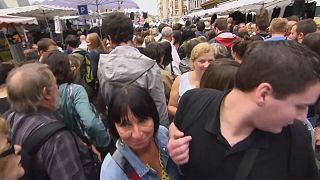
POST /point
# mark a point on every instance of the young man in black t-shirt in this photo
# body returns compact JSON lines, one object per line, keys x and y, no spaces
{"x":256,"y":130}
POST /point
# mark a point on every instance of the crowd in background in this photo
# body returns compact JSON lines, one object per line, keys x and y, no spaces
{"x":108,"y":87}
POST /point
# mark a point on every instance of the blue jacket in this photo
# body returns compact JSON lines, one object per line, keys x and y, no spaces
{"x":111,"y":170}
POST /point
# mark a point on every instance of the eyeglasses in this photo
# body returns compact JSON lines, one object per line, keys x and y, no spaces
{"x":7,"y":152}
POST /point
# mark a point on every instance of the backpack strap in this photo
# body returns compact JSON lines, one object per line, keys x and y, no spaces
{"x":14,"y":128}
{"x":123,"y":164}
{"x":82,"y":52}
{"x":172,"y":72}
{"x":81,"y":128}
{"x":246,"y":163}
{"x":34,"y":141}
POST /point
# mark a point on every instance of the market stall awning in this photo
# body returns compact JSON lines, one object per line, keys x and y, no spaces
{"x":94,"y":4}
{"x":242,"y":6}
{"x":38,"y":11}
{"x":17,"y":20}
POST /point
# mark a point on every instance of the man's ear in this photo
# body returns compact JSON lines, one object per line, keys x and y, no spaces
{"x":261,"y":92}
{"x":111,"y":42}
{"x":300,"y":36}
{"x":109,"y":38}
{"x":46,"y":92}
{"x":40,"y":52}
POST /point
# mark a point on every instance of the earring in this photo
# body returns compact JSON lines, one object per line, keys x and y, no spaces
{"x":121,"y":142}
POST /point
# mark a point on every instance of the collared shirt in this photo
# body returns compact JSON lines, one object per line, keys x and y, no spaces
{"x":288,"y":154}
{"x":276,"y":38}
{"x":111,"y":170}
{"x":57,"y":158}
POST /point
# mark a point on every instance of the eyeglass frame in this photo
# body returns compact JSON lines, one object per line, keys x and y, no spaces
{"x":10,"y":150}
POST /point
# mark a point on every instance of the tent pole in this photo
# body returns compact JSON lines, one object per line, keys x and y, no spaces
{"x":98,"y":14}
{"x":62,"y":39}
{"x":45,"y":17}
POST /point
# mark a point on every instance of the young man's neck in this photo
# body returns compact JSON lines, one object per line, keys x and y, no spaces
{"x":277,"y":34}
{"x":128,"y":43}
{"x":235,"y":115}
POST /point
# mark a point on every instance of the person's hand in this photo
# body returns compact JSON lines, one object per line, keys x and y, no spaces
{"x":178,"y":145}
{"x":317,"y":135}
{"x":13,"y":168}
{"x":96,"y":152}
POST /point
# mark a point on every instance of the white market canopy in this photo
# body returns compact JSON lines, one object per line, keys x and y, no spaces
{"x":16,"y":20}
{"x":242,"y":6}
{"x":39,"y":11}
{"x":94,"y":4}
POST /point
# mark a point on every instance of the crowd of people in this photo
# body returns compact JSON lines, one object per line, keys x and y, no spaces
{"x":226,"y":100}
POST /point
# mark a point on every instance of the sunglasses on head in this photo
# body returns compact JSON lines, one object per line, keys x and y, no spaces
{"x":8,"y":151}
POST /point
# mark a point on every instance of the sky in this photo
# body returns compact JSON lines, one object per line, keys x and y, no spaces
{"x":149,"y":6}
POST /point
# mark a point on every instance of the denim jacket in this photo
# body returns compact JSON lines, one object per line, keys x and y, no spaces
{"x":111,"y":170}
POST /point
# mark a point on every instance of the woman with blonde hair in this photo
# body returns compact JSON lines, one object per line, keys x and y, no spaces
{"x":202,"y":55}
{"x":149,"y":39}
{"x":10,"y":166}
{"x":95,"y":48}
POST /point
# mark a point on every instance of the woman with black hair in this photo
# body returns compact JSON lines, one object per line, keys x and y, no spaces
{"x":156,"y":52}
{"x":78,"y":114}
{"x":141,"y":146}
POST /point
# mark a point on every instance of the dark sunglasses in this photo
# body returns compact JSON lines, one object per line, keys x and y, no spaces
{"x":7,"y":152}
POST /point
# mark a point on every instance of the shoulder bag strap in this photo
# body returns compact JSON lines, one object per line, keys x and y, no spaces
{"x":84,"y":137}
{"x":246,"y":163}
{"x":123,"y":163}
{"x":172,"y":71}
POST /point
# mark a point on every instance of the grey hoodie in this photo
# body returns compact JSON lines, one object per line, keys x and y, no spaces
{"x":126,"y":65}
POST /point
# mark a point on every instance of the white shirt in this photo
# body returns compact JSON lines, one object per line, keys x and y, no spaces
{"x":174,"y":52}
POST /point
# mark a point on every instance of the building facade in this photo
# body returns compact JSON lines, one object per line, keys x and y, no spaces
{"x":163,"y":7}
{"x":170,"y":10}
{"x":195,"y":5}
{"x":176,"y":8}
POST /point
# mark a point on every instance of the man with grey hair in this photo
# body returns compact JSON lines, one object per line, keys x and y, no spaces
{"x":167,"y":35}
{"x":34,"y":97}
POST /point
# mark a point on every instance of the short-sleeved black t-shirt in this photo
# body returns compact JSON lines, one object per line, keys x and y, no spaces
{"x":284,"y":155}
